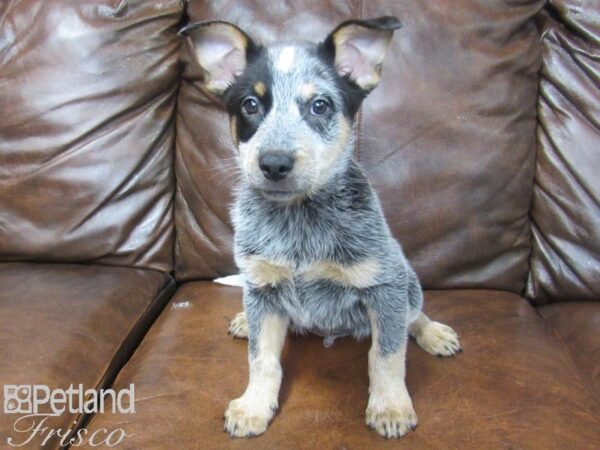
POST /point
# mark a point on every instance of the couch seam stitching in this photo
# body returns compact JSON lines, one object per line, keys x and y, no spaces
{"x":86,"y":418}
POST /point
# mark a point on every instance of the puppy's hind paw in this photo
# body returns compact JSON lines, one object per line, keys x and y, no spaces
{"x":238,"y":327}
{"x":392,"y":422}
{"x":438,"y":339}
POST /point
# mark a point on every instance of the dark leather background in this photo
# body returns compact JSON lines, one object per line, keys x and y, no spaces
{"x":88,"y":97}
{"x":63,"y":324}
{"x":87,"y":102}
{"x":107,"y":151}
{"x":447,"y":138}
{"x":565,"y":262}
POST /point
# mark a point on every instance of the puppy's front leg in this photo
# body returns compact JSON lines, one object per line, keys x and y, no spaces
{"x":390,"y":410}
{"x":250,"y":414}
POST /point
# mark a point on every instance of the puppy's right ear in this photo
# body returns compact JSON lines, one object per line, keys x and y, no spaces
{"x":221,"y":49}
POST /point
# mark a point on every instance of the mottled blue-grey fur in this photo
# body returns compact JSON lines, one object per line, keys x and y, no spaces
{"x":343,"y":222}
{"x":310,"y":233}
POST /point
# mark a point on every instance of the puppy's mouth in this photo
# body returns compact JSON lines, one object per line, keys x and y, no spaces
{"x":283,"y":191}
{"x":280,"y":195}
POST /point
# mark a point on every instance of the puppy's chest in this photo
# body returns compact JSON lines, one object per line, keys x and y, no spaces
{"x":263,"y":271}
{"x":325,"y":297}
{"x":305,"y":240}
{"x":339,"y":240}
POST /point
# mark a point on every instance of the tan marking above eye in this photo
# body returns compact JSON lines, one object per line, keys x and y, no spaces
{"x":260,"y":88}
{"x":359,"y":275}
{"x":307,"y":91}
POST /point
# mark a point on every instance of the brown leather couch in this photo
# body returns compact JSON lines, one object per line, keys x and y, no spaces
{"x":115,"y":179}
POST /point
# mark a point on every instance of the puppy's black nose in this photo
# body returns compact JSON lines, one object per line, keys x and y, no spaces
{"x":275,"y":166}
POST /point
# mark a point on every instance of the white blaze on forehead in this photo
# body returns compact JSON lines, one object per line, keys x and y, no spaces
{"x":285,"y":59}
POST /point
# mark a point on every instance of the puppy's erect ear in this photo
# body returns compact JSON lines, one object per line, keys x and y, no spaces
{"x":358,"y":48}
{"x":221,"y":49}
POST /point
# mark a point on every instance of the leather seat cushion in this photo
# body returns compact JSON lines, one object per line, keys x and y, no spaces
{"x":577,"y":324}
{"x":512,"y":387}
{"x":71,"y":324}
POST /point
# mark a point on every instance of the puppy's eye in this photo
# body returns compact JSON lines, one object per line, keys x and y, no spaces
{"x":319,"y":107}
{"x":250,"y":105}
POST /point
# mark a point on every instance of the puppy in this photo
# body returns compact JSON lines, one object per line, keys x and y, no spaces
{"x":310,"y":236}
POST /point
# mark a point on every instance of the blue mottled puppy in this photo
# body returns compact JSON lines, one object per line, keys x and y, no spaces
{"x":310,"y":235}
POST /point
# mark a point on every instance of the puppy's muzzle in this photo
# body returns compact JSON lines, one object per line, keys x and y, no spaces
{"x":275,"y":165}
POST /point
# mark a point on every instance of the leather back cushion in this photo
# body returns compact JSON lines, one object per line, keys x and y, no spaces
{"x":565,"y":262}
{"x":447,"y":138}
{"x":87,"y":94}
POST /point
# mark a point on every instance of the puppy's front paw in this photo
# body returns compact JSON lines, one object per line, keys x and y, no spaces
{"x":392,"y":422}
{"x":238,"y":327}
{"x":246,"y":417}
{"x":438,"y":339}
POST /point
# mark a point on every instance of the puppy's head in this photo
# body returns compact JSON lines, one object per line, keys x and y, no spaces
{"x":292,"y":105}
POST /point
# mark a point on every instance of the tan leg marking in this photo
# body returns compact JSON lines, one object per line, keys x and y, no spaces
{"x":390,"y":411}
{"x":238,"y":327}
{"x":434,"y":337}
{"x":249,"y":415}
{"x":360,"y":275}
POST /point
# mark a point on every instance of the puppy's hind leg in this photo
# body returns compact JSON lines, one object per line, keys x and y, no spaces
{"x":238,"y":327}
{"x":434,"y":337}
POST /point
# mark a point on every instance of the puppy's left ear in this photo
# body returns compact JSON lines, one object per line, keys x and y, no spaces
{"x":222,"y":50}
{"x":358,"y":48}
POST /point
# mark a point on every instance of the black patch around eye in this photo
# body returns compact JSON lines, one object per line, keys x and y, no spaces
{"x":257,"y":71}
{"x":352,"y":94}
{"x":321,"y":123}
